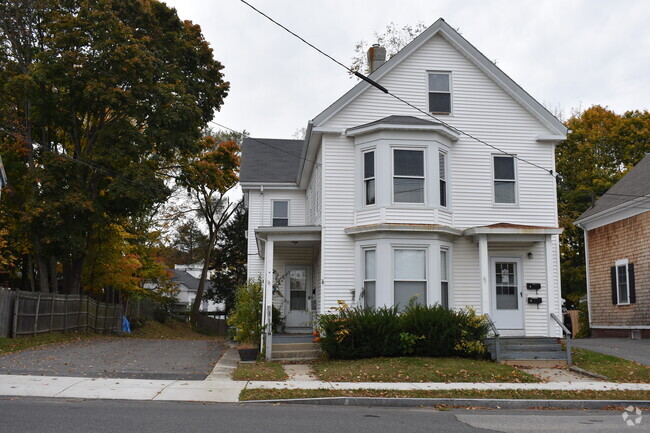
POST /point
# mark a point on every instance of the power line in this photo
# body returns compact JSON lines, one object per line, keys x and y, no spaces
{"x":384,"y":90}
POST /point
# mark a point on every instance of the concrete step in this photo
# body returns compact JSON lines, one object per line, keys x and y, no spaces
{"x":294,"y":355}
{"x":527,"y":348}
{"x":533,"y":355}
{"x":506,"y":341}
{"x":295,"y":346}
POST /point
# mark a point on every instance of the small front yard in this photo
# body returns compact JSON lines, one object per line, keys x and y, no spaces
{"x":260,"y":370}
{"x":419,"y":370}
{"x":616,"y":369}
{"x":276,"y":394}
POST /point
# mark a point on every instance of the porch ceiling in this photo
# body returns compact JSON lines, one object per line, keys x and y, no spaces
{"x":291,"y":236}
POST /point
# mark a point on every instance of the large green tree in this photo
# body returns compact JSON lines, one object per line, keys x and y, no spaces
{"x":601,"y":147}
{"x":230,"y":259}
{"x":97,"y":100}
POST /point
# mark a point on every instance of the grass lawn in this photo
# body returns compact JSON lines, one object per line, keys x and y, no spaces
{"x":170,"y":330}
{"x":273,"y":394}
{"x":616,"y":369}
{"x":259,"y":370}
{"x":8,"y":345}
{"x":418,"y":370}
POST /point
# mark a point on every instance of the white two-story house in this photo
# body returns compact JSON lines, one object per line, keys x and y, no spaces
{"x":381,"y":204}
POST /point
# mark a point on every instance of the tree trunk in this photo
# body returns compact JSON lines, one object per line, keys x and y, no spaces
{"x":194,"y":315}
{"x":43,"y":272}
{"x":30,"y":268}
{"x":54,"y":281}
{"x":72,"y":273}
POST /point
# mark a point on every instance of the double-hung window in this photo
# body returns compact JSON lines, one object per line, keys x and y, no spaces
{"x":369,"y":177}
{"x":444,"y":278}
{"x":505,"y":180}
{"x":439,"y":84}
{"x":410,"y":283}
{"x":280,"y":217}
{"x":442,"y":174}
{"x":623,"y":292}
{"x":408,"y":176}
{"x":369,"y":272}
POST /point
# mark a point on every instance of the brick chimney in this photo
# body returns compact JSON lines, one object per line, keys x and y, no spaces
{"x":376,"y":57}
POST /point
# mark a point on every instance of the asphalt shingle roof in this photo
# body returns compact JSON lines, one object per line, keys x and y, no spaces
{"x":270,"y":160}
{"x":398,"y":120}
{"x":182,"y":277}
{"x":634,"y":184}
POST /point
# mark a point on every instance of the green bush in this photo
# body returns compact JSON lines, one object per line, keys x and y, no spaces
{"x":354,"y":333}
{"x":247,"y":313}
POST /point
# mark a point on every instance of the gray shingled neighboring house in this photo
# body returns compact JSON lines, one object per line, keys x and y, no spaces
{"x":617,"y":249}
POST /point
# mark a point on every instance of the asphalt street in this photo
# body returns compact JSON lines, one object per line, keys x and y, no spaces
{"x":74,"y":416}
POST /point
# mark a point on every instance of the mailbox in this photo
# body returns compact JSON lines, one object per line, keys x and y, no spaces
{"x":533,"y":286}
{"x":535,"y":301}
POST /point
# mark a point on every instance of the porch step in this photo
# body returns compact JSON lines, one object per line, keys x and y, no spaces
{"x":294,"y":351}
{"x":528,"y":350}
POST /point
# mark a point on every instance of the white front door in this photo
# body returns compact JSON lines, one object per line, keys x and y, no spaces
{"x":297,"y":296}
{"x":507,"y":293}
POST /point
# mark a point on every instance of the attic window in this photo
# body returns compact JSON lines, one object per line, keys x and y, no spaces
{"x":439,"y":84}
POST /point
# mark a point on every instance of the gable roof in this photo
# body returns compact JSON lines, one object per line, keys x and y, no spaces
{"x":181,"y":276}
{"x":470,"y":52}
{"x":630,"y":188}
{"x":270,"y":160}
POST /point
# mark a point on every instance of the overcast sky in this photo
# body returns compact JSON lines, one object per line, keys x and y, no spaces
{"x":566,"y":54}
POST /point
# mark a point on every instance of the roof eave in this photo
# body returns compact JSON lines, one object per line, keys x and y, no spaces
{"x":440,"y":128}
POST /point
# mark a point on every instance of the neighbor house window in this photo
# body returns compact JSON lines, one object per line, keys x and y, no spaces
{"x":369,"y":177}
{"x":369,"y":272}
{"x":439,"y":92}
{"x":408,"y":176}
{"x":410,"y":284}
{"x":623,"y":292}
{"x":444,"y":278}
{"x":280,"y":213}
{"x":442,"y":170}
{"x":505,"y":183}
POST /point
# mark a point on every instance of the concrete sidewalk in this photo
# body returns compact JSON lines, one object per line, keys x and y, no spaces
{"x":218,"y":386}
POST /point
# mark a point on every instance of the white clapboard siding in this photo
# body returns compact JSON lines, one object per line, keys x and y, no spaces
{"x":410,"y":216}
{"x":483,"y":109}
{"x":338,"y":202}
{"x":314,"y":194}
{"x":316,"y":273}
{"x":255,"y":262}
{"x":466,"y":280}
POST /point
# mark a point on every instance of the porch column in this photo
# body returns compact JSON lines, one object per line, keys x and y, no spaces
{"x":484,"y":265}
{"x":550,"y":293}
{"x":267,"y":297}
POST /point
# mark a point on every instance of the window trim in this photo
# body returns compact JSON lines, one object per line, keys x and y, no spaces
{"x":450,"y":92}
{"x":273,"y":217}
{"x":366,"y":179}
{"x":445,"y":179}
{"x":365,"y":280}
{"x":422,"y":149}
{"x":445,"y":250}
{"x":618,"y":264}
{"x":515,"y":181}
{"x":422,"y":248}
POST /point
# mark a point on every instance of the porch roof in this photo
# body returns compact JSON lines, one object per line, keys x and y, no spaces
{"x":294,"y":234}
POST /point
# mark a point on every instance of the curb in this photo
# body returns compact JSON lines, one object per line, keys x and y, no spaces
{"x":463,"y":402}
{"x":588,"y":373}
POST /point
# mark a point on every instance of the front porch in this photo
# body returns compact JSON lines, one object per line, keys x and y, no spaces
{"x":291,"y":283}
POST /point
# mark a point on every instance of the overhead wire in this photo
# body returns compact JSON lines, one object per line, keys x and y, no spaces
{"x":398,"y":98}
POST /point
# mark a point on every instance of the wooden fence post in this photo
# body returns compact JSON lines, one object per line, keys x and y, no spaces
{"x":38,"y":305}
{"x":13,"y":331}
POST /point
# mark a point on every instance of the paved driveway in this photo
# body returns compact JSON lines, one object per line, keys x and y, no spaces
{"x":118,"y":358}
{"x":634,"y":350}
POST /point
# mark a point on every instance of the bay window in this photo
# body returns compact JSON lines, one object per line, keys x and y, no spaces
{"x":408,"y":176}
{"x":410,"y":279}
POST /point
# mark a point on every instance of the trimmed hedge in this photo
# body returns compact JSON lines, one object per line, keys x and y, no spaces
{"x":420,"y":330}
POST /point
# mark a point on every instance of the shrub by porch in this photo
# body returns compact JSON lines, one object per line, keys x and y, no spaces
{"x":432,"y":331}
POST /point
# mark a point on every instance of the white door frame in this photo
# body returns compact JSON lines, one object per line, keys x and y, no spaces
{"x":297,"y":318}
{"x":514,"y":317}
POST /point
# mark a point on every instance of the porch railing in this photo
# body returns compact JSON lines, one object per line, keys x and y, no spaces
{"x":568,"y":337}
{"x":497,"y":344}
